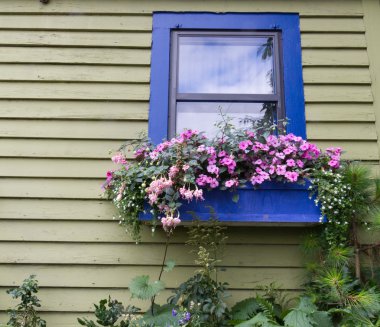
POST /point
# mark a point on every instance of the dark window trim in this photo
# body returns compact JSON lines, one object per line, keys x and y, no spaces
{"x":166,"y":22}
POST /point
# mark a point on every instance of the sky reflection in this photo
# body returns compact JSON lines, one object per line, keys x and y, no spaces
{"x":224,"y":65}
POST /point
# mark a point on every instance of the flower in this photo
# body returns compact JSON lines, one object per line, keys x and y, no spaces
{"x":291,"y":176}
{"x":243,"y":145}
{"x":231,"y":182}
{"x":290,"y":163}
{"x":119,"y":159}
{"x":173,"y":171}
{"x":169,"y":222}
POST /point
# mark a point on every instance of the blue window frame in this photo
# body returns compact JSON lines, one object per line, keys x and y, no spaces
{"x":164,"y":23}
{"x":280,"y":203}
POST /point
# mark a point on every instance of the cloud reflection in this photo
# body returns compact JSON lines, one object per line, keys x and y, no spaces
{"x":224,"y":65}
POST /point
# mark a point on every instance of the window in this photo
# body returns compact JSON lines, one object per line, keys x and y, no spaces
{"x":242,"y":64}
{"x":237,"y":73}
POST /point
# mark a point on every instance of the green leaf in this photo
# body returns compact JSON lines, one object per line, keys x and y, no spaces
{"x":162,"y":316}
{"x":235,"y":198}
{"x":169,"y":265}
{"x":245,"y":309}
{"x":260,"y":320}
{"x":142,"y":289}
{"x":322,"y":319}
{"x":296,"y":318}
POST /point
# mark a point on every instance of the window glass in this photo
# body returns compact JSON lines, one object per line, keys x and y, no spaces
{"x":222,"y":64}
{"x":203,"y":115}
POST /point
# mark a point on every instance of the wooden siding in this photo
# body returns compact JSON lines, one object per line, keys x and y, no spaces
{"x":74,"y":84}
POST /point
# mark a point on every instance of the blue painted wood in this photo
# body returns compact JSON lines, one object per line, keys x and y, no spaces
{"x":165,"y":22}
{"x":271,"y":203}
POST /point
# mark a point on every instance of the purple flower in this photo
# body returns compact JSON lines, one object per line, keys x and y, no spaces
{"x":291,"y":176}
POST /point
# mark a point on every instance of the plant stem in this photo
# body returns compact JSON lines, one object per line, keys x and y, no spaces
{"x":162,"y":269}
{"x":357,"y":250}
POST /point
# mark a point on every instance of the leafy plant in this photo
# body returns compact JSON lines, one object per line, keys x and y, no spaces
{"x":108,"y":312}
{"x":202,"y":295}
{"x":142,"y":289}
{"x":25,"y":314}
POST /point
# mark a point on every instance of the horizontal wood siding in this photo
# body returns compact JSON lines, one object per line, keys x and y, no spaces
{"x":74,"y":84}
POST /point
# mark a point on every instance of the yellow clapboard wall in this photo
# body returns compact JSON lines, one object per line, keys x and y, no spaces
{"x":74,"y":84}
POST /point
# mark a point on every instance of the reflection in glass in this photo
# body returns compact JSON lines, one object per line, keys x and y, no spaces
{"x":225,"y":64}
{"x":202,"y":115}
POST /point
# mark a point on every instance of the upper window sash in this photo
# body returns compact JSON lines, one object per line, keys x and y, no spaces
{"x":164,"y":23}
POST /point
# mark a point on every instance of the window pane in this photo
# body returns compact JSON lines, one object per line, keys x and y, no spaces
{"x":226,"y":64}
{"x":203,"y":115}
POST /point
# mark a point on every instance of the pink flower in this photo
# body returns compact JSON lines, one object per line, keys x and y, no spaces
{"x":258,"y":162}
{"x":212,"y":169}
{"x":250,"y":134}
{"x":231,"y":182}
{"x":185,"y":167}
{"x":214,"y":183}
{"x":198,"y":194}
{"x":304,"y":146}
{"x":201,"y":180}
{"x":281,"y":169}
{"x":153,"y":155}
{"x":119,"y":159}
{"x":300,"y":163}
{"x":273,"y":141}
{"x":173,"y":171}
{"x":291,"y":176}
{"x":257,"y":179}
{"x":169,"y":222}
{"x":290,"y":163}
{"x":222,"y":154}
{"x":243,"y":145}
{"x":280,"y":155}
{"x":290,"y":150}
{"x":334,"y":164}
{"x":152,"y":198}
{"x":201,"y":148}
{"x":272,"y":169}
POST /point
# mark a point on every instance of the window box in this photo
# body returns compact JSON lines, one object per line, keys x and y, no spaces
{"x":271,"y":203}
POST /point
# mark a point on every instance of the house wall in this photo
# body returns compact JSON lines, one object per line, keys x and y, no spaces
{"x":74,"y":84}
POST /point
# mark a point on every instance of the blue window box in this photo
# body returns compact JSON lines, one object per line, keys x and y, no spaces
{"x":271,"y":203}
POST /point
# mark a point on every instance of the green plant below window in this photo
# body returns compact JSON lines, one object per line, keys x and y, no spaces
{"x":25,"y":314}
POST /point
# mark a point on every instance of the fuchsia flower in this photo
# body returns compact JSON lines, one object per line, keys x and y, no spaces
{"x":173,"y":171}
{"x":119,"y":159}
{"x":169,"y":222}
{"x":198,"y":194}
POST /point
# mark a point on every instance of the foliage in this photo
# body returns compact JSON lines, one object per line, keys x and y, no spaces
{"x":202,"y":295}
{"x":108,"y":312}
{"x":25,"y":314}
{"x":264,"y":311}
{"x":142,"y":289}
{"x":162,"y":177}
